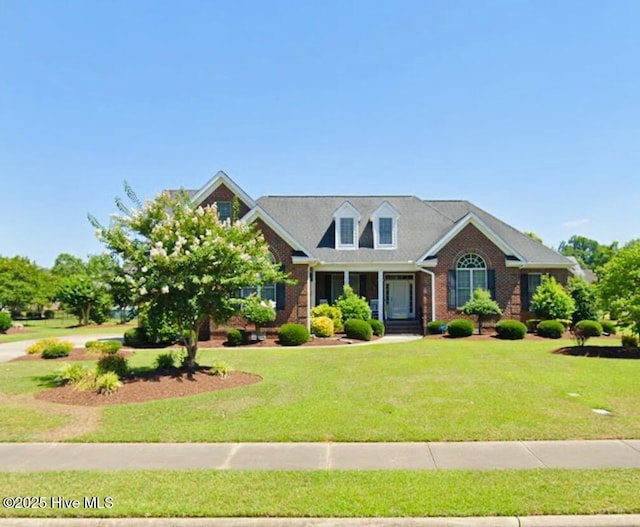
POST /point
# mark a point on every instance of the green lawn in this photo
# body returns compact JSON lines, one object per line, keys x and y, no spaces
{"x":333,"y":494}
{"x":60,"y":327}
{"x":429,"y":390}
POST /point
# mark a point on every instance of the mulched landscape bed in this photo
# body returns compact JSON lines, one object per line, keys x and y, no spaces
{"x":152,"y":385}
{"x":77,"y":354}
{"x":603,"y":352}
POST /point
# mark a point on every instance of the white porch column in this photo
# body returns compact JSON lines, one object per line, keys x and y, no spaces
{"x":381,"y":296}
{"x":346,"y":278}
{"x":311,"y":294}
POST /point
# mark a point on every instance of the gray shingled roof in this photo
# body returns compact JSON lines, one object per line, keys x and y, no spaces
{"x":309,"y":219}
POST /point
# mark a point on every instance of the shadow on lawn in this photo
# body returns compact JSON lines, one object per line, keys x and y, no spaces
{"x":603,"y":352}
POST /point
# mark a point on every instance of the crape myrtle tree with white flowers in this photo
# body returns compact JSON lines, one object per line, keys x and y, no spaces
{"x":185,"y":261}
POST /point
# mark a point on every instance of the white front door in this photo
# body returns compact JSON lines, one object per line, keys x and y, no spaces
{"x":399,"y":297}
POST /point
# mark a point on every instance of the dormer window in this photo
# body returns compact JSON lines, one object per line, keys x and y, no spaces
{"x":385,"y":226}
{"x":385,"y":231}
{"x":346,"y":232}
{"x":346,"y":218}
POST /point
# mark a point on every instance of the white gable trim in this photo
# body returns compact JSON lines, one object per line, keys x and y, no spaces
{"x":259,"y":212}
{"x":217,"y":180}
{"x":473,"y":219}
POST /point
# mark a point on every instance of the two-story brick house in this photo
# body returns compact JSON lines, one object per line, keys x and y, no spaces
{"x":414,"y":260}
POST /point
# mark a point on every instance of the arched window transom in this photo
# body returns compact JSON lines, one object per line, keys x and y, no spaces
{"x":471,"y":274}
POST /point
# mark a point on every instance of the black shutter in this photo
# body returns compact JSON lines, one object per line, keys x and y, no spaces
{"x":524,"y":291}
{"x":491,"y":282}
{"x":451,"y":288}
{"x":280,"y":292}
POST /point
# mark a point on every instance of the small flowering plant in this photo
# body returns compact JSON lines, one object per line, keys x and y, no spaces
{"x":181,"y":258}
{"x":258,"y":311}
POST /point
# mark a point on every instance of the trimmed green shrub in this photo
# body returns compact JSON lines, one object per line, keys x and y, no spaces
{"x":608,"y":327}
{"x":71,"y":374}
{"x":550,"y":329}
{"x":5,"y":321}
{"x":164,"y":361}
{"x":115,"y":363}
{"x":108,"y":347}
{"x":481,"y":306}
{"x":460,"y":327}
{"x":135,"y":338}
{"x":107,"y":383}
{"x":322,"y":327}
{"x":532,"y":324}
{"x":629,"y":341}
{"x":220,"y":369}
{"x":235,"y":337}
{"x":332,"y":312}
{"x":293,"y":334}
{"x":158,"y":328}
{"x":585,"y":329}
{"x":377,"y":327}
{"x":51,"y":348}
{"x":49,"y":314}
{"x":511,"y":329}
{"x":353,"y":306}
{"x":436,"y":327}
{"x":551,"y":301}
{"x":358,"y":329}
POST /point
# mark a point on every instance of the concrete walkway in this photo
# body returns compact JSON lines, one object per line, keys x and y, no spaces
{"x":30,"y":457}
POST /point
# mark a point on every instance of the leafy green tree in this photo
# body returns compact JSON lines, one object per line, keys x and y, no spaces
{"x":106,"y":269}
{"x":21,"y":283}
{"x":590,"y":253}
{"x":551,"y":301}
{"x":619,"y":286}
{"x":182,"y":259}
{"x":80,"y":295}
{"x":584,"y":297}
{"x":481,"y":306}
{"x":258,"y":311}
{"x":66,"y":265}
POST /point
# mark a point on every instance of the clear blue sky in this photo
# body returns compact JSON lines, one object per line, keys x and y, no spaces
{"x":530,"y":109}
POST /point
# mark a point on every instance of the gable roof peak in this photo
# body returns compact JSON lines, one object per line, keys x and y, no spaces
{"x":221,"y":178}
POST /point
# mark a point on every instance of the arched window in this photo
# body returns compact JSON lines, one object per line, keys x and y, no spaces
{"x":471,"y":274}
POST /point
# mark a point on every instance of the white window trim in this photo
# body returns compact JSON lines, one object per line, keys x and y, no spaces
{"x":346,"y":210}
{"x":385,"y":210}
{"x":472,"y":271}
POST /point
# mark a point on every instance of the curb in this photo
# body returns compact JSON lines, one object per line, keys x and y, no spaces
{"x":599,"y":520}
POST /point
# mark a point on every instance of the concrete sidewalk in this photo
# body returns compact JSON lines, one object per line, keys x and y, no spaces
{"x":31,"y":457}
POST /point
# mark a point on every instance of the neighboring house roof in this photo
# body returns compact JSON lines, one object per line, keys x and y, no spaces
{"x":577,"y":270}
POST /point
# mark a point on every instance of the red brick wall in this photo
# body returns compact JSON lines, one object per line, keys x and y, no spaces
{"x":223,"y":193}
{"x":296,"y":297}
{"x":471,"y":240}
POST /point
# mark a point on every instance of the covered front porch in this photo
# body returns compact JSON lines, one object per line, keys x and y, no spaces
{"x":392,"y":295}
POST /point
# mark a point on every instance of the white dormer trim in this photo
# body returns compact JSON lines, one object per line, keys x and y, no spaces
{"x":473,"y":219}
{"x":385,"y":210}
{"x":343,"y":212}
{"x":219,"y":179}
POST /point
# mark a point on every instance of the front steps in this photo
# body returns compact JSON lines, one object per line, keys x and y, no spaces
{"x":403,"y":327}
